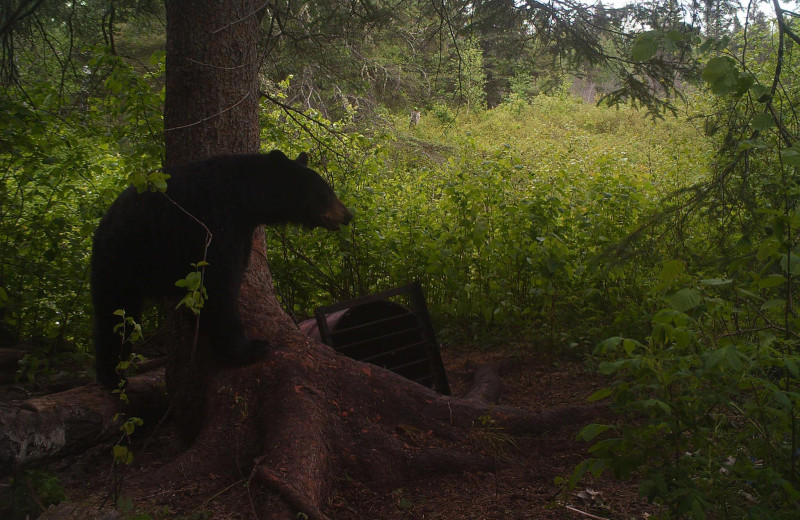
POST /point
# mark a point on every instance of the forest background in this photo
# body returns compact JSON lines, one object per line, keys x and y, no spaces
{"x":656,"y":237}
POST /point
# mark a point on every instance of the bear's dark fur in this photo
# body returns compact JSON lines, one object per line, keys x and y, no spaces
{"x":145,"y":243}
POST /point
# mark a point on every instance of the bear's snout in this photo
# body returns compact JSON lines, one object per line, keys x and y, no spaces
{"x":336,"y":216}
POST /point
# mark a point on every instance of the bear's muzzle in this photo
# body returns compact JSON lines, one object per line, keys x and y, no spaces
{"x":335,"y":217}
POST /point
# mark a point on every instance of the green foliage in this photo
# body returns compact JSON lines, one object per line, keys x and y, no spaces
{"x":127,"y":328}
{"x":122,"y":454}
{"x":130,"y":332}
{"x":489,"y":437}
{"x":708,"y":399}
{"x":507,"y":232}
{"x":707,"y":403}
{"x":196,"y":293}
{"x":723,"y":77}
{"x":29,"y":493}
{"x":65,"y":151}
{"x":49,"y":358}
{"x":648,"y":43}
{"x":470,"y":76}
{"x":535,"y":217}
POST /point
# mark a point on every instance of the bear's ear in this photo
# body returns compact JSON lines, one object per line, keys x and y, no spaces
{"x":302,"y":158}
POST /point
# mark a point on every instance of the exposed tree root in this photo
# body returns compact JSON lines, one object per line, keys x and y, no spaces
{"x":306,"y":417}
{"x":296,"y":423}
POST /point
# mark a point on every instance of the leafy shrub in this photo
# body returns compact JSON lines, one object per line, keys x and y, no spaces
{"x":507,"y":232}
{"x":708,"y":402}
{"x":30,"y":492}
{"x":63,"y":161}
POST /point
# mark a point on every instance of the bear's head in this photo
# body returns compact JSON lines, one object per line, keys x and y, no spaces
{"x":317,"y":204}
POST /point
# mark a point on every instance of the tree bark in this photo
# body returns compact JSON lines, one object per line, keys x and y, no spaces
{"x":42,"y":429}
{"x":45,"y":428}
{"x":306,"y":416}
{"x":211,"y":90}
{"x":211,"y":108}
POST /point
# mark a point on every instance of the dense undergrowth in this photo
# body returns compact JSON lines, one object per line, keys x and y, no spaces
{"x":60,"y":167}
{"x":511,"y":218}
{"x":548,"y":219}
{"x":707,"y":398}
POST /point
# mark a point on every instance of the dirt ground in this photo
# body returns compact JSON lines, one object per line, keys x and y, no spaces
{"x":526,"y":489}
{"x":523,"y":486}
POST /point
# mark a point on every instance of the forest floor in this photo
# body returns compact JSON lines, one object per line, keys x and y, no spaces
{"x":524,"y":487}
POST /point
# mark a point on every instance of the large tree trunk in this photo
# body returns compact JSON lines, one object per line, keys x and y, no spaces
{"x":305,"y":416}
{"x":211,"y":108}
{"x":212,"y":95}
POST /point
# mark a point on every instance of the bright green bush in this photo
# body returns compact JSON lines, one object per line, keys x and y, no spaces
{"x":707,"y":400}
{"x":707,"y":404}
{"x":509,"y":218}
{"x":59,"y":170}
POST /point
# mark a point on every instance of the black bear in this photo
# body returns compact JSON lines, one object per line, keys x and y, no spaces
{"x":148,"y":241}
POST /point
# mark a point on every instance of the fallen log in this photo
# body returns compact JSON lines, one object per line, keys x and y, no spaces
{"x":487,"y":382}
{"x":42,"y":429}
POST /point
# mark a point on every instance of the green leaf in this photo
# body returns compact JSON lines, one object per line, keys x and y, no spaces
{"x":716,"y":281}
{"x":600,"y":394}
{"x":782,"y":400}
{"x":128,"y":427}
{"x":698,"y":513}
{"x":761,"y":93}
{"x":685,"y":299}
{"x":750,"y":144}
{"x":591,"y":431}
{"x":675,"y":35}
{"x":791,"y":155}
{"x":608,"y":345}
{"x":706,"y":46}
{"x":762,"y":121}
{"x":792,"y":367}
{"x":671,"y":270}
{"x":671,"y":317}
{"x":768,"y":248}
{"x":771,"y":281}
{"x":578,"y":473}
{"x":716,"y":358}
{"x":743,"y":84}
{"x":775,"y":303}
{"x":122,"y":455}
{"x":790,"y":264}
{"x":629,"y":345}
{"x":659,"y":404}
{"x":721,"y":74}
{"x":597,"y":466}
{"x":646,"y":45}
